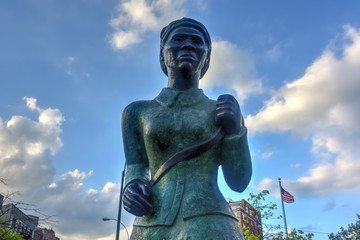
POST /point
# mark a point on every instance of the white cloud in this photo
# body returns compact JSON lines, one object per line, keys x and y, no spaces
{"x":231,"y":68}
{"x":296,"y":165}
{"x":267,"y":150}
{"x":324,"y":105}
{"x":318,"y":98}
{"x":31,"y":103}
{"x":23,"y":143}
{"x":276,"y":52}
{"x":136,"y":17}
{"x":27,"y":167}
{"x":122,"y":40}
{"x":85,"y":210}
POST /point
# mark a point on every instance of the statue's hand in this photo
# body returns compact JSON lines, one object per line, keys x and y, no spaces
{"x":137,"y":199}
{"x":228,"y":114}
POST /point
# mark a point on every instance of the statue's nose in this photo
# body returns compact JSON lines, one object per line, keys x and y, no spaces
{"x":188,"y":45}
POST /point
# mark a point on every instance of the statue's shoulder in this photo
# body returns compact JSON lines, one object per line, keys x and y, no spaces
{"x":210,"y":103}
{"x":138,"y":107}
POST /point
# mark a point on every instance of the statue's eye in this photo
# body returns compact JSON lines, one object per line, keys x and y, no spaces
{"x":197,"y":41}
{"x":177,"y":39}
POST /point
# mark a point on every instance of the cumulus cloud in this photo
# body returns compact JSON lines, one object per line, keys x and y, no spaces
{"x":26,"y":150}
{"x":231,"y":68}
{"x":136,"y":17}
{"x":73,"y":206}
{"x":23,"y":145}
{"x":324,"y":105}
{"x":319,"y":97}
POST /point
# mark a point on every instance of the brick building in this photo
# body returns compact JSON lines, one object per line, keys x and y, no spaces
{"x":44,"y":234}
{"x":248,"y":217}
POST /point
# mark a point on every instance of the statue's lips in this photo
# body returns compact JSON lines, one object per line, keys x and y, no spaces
{"x":187,"y":57}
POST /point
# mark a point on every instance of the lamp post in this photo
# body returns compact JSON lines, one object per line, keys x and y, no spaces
{"x":113,"y":219}
{"x":120,"y":204}
{"x":118,"y":220}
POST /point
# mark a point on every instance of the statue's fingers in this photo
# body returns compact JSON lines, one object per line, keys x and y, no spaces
{"x":133,"y":211}
{"x":146,"y":192}
{"x":226,"y":105}
{"x":225,"y":109}
{"x":225,"y":96}
{"x":134,"y":199}
{"x":143,"y":201}
{"x":132,"y":193}
{"x":225,"y":113}
{"x":135,"y":206}
{"x":227,"y":99}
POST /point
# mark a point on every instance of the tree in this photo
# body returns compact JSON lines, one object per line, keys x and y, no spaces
{"x":266,"y":210}
{"x":9,"y":234}
{"x":352,"y":233}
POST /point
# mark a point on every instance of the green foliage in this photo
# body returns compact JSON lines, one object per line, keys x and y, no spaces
{"x":294,"y":235}
{"x":352,"y":233}
{"x":248,"y":235}
{"x":9,"y":234}
{"x":258,"y":201}
{"x":267,"y":211}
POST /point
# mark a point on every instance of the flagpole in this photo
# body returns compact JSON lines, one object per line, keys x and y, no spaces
{"x":282,"y":202}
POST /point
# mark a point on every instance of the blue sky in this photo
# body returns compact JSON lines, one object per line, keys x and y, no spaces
{"x":69,"y":68}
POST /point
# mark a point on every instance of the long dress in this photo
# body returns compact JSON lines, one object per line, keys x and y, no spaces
{"x":187,"y":201}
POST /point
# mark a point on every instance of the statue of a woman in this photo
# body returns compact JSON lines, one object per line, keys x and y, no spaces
{"x":185,"y":201}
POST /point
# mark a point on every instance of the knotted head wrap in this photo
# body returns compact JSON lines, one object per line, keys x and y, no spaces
{"x":185,"y":22}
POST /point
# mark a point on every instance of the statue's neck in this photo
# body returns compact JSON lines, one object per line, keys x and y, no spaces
{"x":183,"y":80}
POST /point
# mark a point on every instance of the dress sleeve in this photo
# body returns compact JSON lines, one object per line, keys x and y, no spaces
{"x":135,"y":153}
{"x":236,"y":160}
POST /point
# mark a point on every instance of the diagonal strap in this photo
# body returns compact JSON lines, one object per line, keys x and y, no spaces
{"x":188,"y":153}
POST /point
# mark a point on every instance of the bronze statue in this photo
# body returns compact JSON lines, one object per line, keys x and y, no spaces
{"x":172,"y":191}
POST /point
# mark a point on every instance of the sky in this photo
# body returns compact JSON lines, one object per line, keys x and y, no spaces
{"x":69,"y":68}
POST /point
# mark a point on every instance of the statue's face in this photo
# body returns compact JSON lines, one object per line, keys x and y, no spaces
{"x":185,"y":49}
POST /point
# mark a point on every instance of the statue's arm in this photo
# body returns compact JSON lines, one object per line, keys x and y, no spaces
{"x":137,"y":191}
{"x":236,"y":160}
{"x":235,"y":155}
{"x":134,"y":148}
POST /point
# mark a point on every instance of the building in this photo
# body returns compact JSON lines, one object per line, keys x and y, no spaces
{"x":1,"y":200}
{"x":248,"y":217}
{"x":16,"y":220}
{"x":44,"y":234}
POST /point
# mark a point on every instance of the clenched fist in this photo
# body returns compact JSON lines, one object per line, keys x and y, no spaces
{"x":137,"y":199}
{"x":228,"y":114}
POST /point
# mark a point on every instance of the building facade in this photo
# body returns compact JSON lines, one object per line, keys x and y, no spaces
{"x":44,"y":234}
{"x":248,"y":217}
{"x":18,"y":221}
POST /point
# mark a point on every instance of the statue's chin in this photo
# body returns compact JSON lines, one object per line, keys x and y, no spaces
{"x":186,"y":67}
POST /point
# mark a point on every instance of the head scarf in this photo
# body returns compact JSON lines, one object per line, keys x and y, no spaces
{"x":185,"y":22}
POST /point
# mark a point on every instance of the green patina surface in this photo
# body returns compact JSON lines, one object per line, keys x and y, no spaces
{"x":187,"y":199}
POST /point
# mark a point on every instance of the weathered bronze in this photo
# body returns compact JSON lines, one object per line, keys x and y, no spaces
{"x":184,"y":201}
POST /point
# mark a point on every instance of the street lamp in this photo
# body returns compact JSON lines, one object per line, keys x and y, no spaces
{"x":118,"y":220}
{"x":113,"y":219}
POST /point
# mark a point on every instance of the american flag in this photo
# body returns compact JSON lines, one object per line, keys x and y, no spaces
{"x":286,"y":196}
